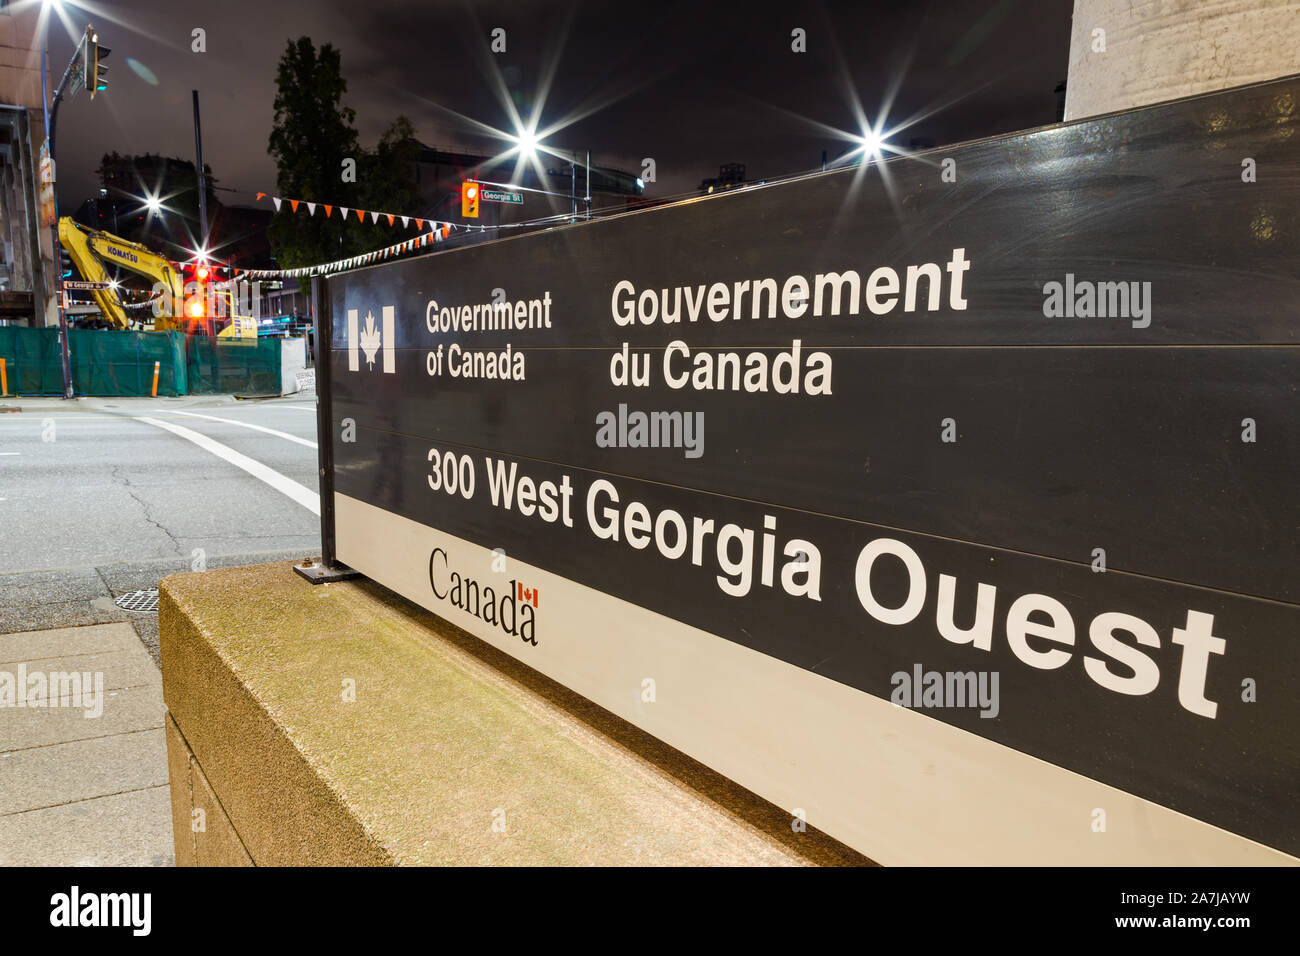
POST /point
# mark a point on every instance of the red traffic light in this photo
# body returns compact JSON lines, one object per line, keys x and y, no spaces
{"x":469,"y":200}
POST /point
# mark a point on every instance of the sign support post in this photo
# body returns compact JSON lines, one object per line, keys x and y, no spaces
{"x":328,"y":569}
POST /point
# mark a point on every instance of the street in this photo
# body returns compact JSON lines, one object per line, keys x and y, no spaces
{"x":100,"y":497}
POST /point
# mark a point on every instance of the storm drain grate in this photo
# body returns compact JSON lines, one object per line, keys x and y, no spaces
{"x":144,"y":600}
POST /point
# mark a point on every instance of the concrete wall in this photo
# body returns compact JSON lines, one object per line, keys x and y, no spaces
{"x":20,"y":86}
{"x":1157,"y":50}
{"x":20,"y":55}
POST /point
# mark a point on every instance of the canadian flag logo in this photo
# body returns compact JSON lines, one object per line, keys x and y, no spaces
{"x":528,"y":595}
{"x":371,"y":340}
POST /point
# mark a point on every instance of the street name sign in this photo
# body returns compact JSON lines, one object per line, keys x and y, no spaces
{"x":947,"y":504}
{"x":496,"y":195}
{"x":92,"y":286}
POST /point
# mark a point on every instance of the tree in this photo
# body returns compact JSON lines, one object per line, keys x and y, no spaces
{"x":386,"y":181}
{"x":311,"y":137}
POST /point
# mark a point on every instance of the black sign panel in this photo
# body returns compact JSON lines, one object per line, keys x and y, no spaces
{"x":1026,"y":405}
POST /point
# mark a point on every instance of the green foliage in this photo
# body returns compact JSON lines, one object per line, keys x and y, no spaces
{"x":312,"y":135}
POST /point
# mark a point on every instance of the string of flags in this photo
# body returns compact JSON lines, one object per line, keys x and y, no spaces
{"x":438,"y":231}
{"x":352,"y":262}
{"x":345,"y":211}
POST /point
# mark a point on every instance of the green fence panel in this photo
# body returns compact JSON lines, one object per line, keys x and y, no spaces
{"x":104,"y":363}
{"x":31,"y":360}
{"x":120,"y":364}
{"x":233,"y":368}
{"x":114,"y":363}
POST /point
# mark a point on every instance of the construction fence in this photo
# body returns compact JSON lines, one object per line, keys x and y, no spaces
{"x":123,"y":364}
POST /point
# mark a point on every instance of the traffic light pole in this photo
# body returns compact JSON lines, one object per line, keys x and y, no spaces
{"x":51,"y":127}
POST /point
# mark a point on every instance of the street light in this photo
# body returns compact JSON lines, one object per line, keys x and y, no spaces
{"x":871,"y":143}
{"x":528,"y":142}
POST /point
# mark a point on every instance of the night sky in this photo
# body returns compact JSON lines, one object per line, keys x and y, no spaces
{"x":693,"y":85}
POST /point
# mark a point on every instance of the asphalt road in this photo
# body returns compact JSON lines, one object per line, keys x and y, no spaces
{"x":99,"y":497}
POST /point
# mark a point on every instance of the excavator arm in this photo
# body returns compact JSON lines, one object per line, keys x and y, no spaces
{"x":91,"y":250}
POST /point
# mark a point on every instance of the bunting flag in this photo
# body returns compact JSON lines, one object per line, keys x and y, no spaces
{"x":437,"y":234}
{"x":392,"y":217}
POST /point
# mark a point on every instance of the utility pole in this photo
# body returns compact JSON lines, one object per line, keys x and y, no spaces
{"x":203,"y":182}
{"x":203,"y":205}
{"x":573,"y":187}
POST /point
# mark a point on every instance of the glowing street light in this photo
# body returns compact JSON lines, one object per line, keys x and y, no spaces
{"x":527,"y":142}
{"x":871,"y":144}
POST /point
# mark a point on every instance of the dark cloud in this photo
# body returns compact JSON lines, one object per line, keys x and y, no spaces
{"x":693,"y":85}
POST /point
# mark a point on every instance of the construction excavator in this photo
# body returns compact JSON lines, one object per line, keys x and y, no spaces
{"x":92,"y":251}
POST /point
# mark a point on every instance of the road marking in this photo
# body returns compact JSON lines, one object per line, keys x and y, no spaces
{"x":305,"y":408}
{"x":10,"y":453}
{"x":260,"y":428}
{"x":287,"y":486}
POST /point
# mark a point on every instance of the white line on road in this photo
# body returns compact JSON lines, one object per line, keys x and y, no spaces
{"x":10,"y":453}
{"x":305,"y":408}
{"x":260,"y":428}
{"x":299,"y":493}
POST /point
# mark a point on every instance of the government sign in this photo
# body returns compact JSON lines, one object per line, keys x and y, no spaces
{"x":947,"y":505}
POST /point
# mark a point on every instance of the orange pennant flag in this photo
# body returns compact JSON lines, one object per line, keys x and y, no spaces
{"x":361,"y":215}
{"x":446,"y":230}
{"x":419,"y":224}
{"x":328,"y":210}
{"x":259,"y":196}
{"x":390,"y":220}
{"x":294,"y":204}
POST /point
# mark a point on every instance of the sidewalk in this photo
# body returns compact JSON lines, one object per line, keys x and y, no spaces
{"x":110,"y":403}
{"x":83,"y":783}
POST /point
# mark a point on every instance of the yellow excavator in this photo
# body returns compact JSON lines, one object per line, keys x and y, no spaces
{"x":92,"y":250}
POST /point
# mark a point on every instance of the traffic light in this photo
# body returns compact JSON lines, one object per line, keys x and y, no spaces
{"x":196,"y":293}
{"x":469,"y":200}
{"x":65,"y":263}
{"x":96,"y":76}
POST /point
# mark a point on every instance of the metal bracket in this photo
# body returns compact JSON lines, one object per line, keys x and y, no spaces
{"x":317,"y":571}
